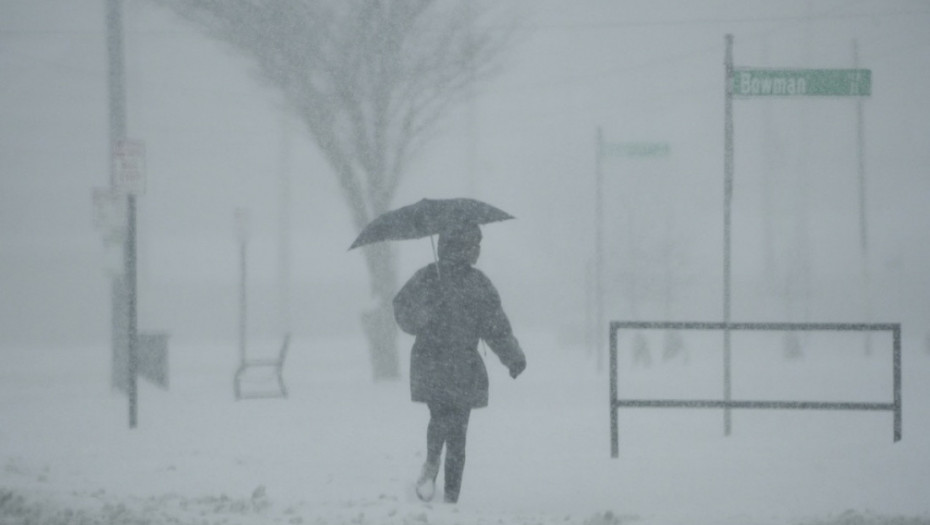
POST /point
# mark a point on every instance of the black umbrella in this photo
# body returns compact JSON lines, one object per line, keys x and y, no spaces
{"x":427,"y":217}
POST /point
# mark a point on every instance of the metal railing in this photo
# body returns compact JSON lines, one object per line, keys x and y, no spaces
{"x":727,"y":403}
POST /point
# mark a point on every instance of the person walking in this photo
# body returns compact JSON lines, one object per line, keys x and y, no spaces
{"x":449,"y":306}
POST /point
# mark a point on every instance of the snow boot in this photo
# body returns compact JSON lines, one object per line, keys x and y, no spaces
{"x":426,"y":483}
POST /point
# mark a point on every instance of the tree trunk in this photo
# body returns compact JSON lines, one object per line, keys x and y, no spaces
{"x":378,"y":323}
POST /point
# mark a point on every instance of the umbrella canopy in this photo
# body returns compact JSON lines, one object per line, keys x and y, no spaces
{"x":427,"y":217}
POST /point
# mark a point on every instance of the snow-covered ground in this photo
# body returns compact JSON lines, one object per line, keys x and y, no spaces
{"x":344,"y":450}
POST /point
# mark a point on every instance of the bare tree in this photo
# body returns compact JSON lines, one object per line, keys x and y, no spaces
{"x":370,"y":79}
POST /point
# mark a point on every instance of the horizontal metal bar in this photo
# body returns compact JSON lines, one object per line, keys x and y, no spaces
{"x":713,"y":403}
{"x":689,"y":325}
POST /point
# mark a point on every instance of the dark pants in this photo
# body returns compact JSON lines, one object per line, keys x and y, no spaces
{"x":448,"y":425}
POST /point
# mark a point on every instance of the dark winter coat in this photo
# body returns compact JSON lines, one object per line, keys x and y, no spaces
{"x":449,"y":311}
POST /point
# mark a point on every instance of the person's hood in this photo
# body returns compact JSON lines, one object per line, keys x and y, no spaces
{"x":455,"y":243}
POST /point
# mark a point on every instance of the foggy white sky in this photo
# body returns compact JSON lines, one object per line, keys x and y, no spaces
{"x":217,"y":139}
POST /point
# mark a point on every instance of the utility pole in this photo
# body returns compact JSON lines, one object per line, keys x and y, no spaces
{"x":123,"y":287}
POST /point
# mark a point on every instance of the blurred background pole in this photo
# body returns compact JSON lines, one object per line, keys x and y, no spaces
{"x":727,"y":201}
{"x":599,"y":251}
{"x":242,"y":232}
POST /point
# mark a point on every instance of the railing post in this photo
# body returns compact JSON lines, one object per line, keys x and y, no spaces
{"x":614,"y":431}
{"x":897,"y":381}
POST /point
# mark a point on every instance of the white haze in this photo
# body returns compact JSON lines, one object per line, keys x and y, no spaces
{"x":643,"y":71}
{"x":217,"y":138}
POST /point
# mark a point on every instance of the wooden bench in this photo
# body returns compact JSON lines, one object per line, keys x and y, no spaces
{"x":274,"y":365}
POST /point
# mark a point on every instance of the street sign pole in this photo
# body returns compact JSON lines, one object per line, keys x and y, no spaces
{"x":863,"y":221}
{"x":129,"y":171}
{"x":727,"y":203}
{"x":125,"y":284}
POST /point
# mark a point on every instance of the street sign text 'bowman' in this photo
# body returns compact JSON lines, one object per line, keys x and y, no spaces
{"x":802,"y":82}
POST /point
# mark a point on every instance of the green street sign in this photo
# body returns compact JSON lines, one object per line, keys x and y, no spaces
{"x":637,"y":149}
{"x":802,"y":82}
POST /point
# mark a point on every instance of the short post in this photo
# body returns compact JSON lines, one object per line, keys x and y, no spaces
{"x":896,"y":342}
{"x":614,"y":431}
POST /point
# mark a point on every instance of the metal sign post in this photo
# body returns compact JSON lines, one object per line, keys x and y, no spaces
{"x":727,"y":205}
{"x":129,"y":180}
{"x":131,"y":282}
{"x":126,"y":170}
{"x":863,"y":222}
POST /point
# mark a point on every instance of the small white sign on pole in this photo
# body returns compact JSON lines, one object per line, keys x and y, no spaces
{"x":129,"y":166}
